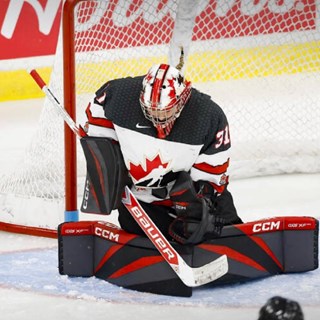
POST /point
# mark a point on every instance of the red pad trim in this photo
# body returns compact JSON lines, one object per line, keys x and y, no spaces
{"x":265,"y":247}
{"x":101,"y":229}
{"x":232,"y":254}
{"x":113,"y":233}
{"x":77,"y":228}
{"x":100,"y":174}
{"x":277,"y":224}
{"x":107,"y":256}
{"x":136,"y":265}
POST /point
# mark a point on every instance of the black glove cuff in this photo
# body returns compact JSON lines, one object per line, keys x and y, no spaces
{"x":186,"y":230}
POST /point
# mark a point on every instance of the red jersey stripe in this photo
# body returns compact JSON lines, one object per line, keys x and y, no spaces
{"x":219,"y":169}
{"x":218,"y":188}
{"x":102,"y":122}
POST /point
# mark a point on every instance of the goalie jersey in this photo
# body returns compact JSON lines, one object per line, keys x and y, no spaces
{"x":199,"y":142}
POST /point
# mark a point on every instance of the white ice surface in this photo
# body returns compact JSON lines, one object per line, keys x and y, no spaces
{"x":255,"y":198}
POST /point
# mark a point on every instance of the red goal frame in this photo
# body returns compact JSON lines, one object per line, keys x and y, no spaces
{"x":70,"y":148}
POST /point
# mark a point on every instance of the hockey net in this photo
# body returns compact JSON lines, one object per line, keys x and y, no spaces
{"x":259,"y":60}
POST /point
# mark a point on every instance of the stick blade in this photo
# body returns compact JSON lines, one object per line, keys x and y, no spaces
{"x":211,"y":271}
{"x":198,"y":276}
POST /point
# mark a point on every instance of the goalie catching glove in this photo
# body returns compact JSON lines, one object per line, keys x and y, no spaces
{"x":196,"y":219}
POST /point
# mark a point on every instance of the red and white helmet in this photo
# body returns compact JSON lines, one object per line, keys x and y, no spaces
{"x":164,"y":94}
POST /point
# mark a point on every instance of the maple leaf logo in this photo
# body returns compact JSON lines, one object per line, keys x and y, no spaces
{"x":172,"y":92}
{"x":139,"y":172}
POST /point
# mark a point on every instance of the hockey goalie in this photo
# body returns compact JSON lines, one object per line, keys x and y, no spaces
{"x":170,"y":145}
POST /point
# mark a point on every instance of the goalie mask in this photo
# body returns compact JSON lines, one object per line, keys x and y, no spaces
{"x":164,"y":94}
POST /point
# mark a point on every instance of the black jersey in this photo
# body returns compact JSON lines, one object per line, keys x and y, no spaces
{"x":198,"y":143}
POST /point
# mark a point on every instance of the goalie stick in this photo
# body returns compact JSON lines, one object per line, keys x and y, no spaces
{"x":191,"y":277}
{"x":63,"y":113}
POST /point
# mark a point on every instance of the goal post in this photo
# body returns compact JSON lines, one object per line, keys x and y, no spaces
{"x":259,"y":60}
{"x":69,"y":89}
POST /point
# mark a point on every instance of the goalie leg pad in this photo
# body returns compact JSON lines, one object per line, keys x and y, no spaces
{"x":91,"y":248}
{"x":254,"y":250}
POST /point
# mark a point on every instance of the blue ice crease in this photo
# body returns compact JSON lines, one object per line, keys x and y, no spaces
{"x":37,"y":271}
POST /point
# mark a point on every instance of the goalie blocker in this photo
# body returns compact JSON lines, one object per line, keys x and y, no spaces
{"x":106,"y":175}
{"x":255,"y":250}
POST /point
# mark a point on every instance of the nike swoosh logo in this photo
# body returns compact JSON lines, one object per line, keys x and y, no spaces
{"x":142,"y":127}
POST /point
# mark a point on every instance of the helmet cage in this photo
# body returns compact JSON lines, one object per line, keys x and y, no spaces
{"x":166,"y":97}
{"x":163,"y":116}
